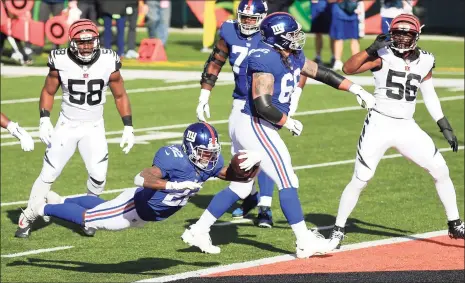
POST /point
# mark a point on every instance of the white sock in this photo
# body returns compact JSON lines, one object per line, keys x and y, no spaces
{"x":39,"y":191}
{"x":348,"y":200}
{"x":446,"y":192}
{"x":300,"y":231}
{"x":265,"y":201}
{"x":204,"y":223}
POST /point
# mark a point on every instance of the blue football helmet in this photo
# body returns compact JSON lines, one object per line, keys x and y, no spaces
{"x":201,"y":144}
{"x":281,"y":30}
{"x":250,"y":13}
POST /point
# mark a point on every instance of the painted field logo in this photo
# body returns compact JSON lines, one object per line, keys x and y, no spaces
{"x":277,"y":29}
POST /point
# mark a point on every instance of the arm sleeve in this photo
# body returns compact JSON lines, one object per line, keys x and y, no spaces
{"x":431,"y":99}
{"x":164,"y":161}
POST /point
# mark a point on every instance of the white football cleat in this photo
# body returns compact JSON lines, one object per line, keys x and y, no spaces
{"x":314,"y":244}
{"x":200,"y":240}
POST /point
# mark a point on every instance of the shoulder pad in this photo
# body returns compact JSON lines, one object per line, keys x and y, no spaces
{"x":113,"y":58}
{"x":429,"y":57}
{"x":55,"y":56}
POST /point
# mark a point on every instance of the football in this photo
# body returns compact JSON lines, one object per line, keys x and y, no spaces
{"x":240,"y":174}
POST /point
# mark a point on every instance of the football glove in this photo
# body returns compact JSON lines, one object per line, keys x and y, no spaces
{"x":27,"y":143}
{"x":380,"y":42}
{"x":203,"y":105}
{"x":251,"y":159}
{"x":186,"y":185}
{"x":45,"y":130}
{"x":364,"y":98}
{"x":294,"y":101}
{"x":294,"y":126}
{"x":448,"y":133}
{"x":128,"y":137}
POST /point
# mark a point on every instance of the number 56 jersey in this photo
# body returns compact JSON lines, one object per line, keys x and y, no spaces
{"x":397,"y":82}
{"x":84,"y":85}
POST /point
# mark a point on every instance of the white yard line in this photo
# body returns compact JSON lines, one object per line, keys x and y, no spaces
{"x":288,"y":257}
{"x":33,"y":130}
{"x":296,"y":168}
{"x":33,"y":252}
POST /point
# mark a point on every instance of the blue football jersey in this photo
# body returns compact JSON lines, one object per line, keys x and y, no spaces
{"x":157,"y":205}
{"x":238,"y":46}
{"x":265,"y":59}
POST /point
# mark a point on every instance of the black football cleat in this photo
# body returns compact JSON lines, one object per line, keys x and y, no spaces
{"x":24,"y":224}
{"x":89,"y":232}
{"x":456,"y":229}
{"x":265,"y":217}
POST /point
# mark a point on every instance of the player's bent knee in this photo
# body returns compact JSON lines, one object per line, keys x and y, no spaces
{"x":364,"y":174}
{"x":294,"y":180}
{"x":241,"y":189}
{"x":358,"y":183}
{"x":439,"y":169}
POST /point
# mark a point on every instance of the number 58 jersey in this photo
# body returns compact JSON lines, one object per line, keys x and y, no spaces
{"x":84,"y":85}
{"x":397,"y":82}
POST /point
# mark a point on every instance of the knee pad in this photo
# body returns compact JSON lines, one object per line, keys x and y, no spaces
{"x":357,"y":183}
{"x":94,"y":186}
{"x":48,"y":175}
{"x":363,"y":174}
{"x":243,"y":190}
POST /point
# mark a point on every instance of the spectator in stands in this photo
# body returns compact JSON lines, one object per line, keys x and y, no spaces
{"x":344,"y":26}
{"x":279,"y":6}
{"x":391,"y":9}
{"x":114,"y":10}
{"x":132,"y":11}
{"x":159,"y":19}
{"x":47,"y":7}
{"x":88,"y":8}
{"x":321,"y":21}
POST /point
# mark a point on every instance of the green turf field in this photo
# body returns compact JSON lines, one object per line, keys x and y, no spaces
{"x":401,"y":199}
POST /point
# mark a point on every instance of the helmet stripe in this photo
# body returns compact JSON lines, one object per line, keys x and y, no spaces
{"x":212,"y":133}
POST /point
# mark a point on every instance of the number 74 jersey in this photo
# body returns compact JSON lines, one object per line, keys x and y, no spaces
{"x":397,"y":82}
{"x":84,"y":85}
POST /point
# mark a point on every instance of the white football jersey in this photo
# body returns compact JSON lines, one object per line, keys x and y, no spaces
{"x":397,"y":82}
{"x":84,"y":86}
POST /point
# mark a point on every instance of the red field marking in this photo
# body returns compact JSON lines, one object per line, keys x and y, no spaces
{"x":438,"y":253}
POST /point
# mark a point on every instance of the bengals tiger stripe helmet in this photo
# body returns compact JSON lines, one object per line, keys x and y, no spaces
{"x":405,"y":31}
{"x":84,"y":40}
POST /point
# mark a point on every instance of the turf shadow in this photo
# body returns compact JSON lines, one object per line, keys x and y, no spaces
{"x":141,"y":266}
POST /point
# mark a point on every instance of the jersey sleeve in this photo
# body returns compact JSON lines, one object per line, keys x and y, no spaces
{"x":165,"y":161}
{"x":225,"y":31}
{"x":257,"y":63}
{"x":51,"y":61}
{"x":118,"y":64}
{"x":219,"y":166}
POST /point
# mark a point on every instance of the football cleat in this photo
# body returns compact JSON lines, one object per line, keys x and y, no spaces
{"x":200,"y":240}
{"x":456,"y":229}
{"x":27,"y":217}
{"x":88,"y":231}
{"x":248,"y":204}
{"x":265,"y":217}
{"x":315,"y":243}
{"x":337,"y":235}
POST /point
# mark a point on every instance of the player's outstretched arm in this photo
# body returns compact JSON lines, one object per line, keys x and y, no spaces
{"x":331,"y":78}
{"x":123,"y":105}
{"x":212,"y":69}
{"x":262,"y":90}
{"x":51,"y":85}
{"x":434,"y":108}
{"x":151,"y":178}
{"x":27,"y":143}
{"x":367,"y":59}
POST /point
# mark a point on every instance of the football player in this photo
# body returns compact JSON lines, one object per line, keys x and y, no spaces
{"x":237,"y":38}
{"x":274,"y":70}
{"x":400,"y":68}
{"x":176,"y":175}
{"x":84,"y":71}
{"x":27,"y":143}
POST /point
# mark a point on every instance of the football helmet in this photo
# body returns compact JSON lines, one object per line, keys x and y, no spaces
{"x":281,"y":30}
{"x":201,"y":144}
{"x":250,"y":13}
{"x":84,"y":40}
{"x":404,"y":31}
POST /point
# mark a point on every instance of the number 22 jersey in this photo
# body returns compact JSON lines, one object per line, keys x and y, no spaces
{"x":84,"y":85}
{"x":397,"y":82}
